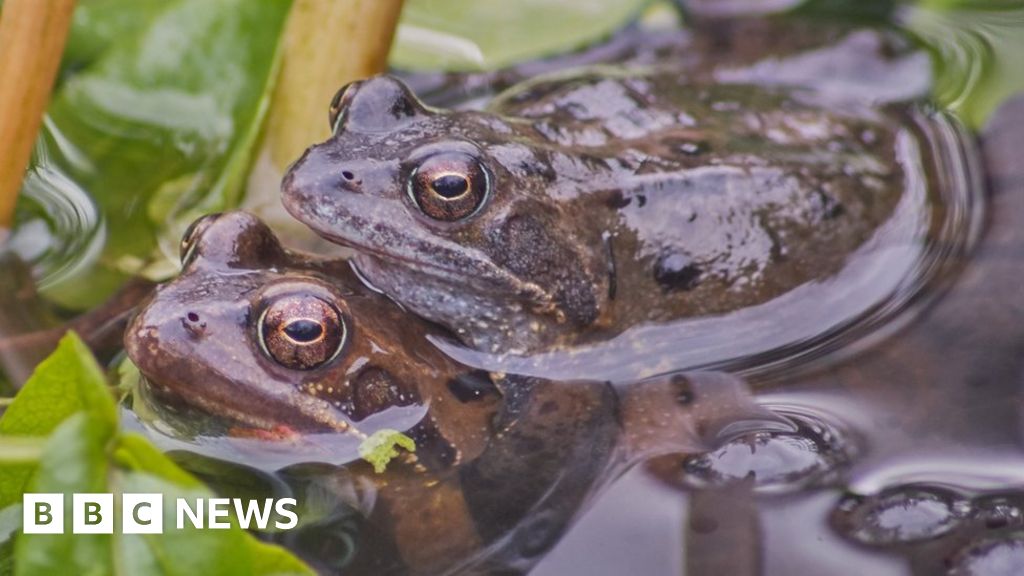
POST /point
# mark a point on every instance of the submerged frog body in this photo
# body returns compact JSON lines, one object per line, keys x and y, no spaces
{"x":272,"y":340}
{"x":583,"y":204}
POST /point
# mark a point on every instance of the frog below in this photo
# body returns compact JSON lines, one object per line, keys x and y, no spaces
{"x":270,"y":339}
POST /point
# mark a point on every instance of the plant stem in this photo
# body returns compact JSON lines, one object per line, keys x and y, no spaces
{"x":32,"y":37}
{"x":328,"y":44}
{"x":17,"y":450}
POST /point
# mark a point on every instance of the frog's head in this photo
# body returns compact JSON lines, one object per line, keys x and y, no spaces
{"x":266,"y":339}
{"x":441,"y":202}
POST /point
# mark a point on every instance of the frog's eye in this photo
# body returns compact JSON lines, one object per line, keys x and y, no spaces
{"x":339,"y":103}
{"x":450,"y":186}
{"x":301,"y":332}
{"x":190,"y":239}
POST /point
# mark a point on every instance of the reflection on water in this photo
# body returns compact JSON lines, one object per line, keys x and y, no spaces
{"x":63,"y":234}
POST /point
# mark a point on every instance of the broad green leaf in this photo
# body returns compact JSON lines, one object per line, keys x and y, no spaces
{"x":74,"y":461}
{"x":99,"y":24}
{"x":157,"y":130}
{"x":460,"y":35}
{"x":67,"y":382}
{"x":86,"y":454}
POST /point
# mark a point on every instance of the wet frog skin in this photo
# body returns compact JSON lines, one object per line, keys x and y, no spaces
{"x":284,"y":344}
{"x":582,"y":204}
{"x":503,"y":464}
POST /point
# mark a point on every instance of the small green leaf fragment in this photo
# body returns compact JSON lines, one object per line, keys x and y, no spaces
{"x":381,"y":447}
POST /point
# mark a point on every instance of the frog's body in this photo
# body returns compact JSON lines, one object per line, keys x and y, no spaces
{"x":502,"y":464}
{"x":598,"y":200}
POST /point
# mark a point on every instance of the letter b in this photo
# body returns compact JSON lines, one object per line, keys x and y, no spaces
{"x":92,"y":514}
{"x":43,"y":513}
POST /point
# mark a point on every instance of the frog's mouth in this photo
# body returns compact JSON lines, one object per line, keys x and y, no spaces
{"x":201,"y":414}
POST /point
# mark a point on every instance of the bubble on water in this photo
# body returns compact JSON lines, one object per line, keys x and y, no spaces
{"x":776,"y":460}
{"x":997,"y":512}
{"x":900,"y":515}
{"x":997,"y":556}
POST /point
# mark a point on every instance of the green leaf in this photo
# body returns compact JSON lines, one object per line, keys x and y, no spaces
{"x":86,"y":454}
{"x":158,"y":129}
{"x":460,"y":35}
{"x":74,"y":461}
{"x":977,"y":47}
{"x":380,"y":448}
{"x":99,"y":24}
{"x":67,"y":382}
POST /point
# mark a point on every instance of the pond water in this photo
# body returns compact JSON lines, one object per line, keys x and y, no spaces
{"x":898,"y":379}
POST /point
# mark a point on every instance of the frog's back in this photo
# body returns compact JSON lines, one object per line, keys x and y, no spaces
{"x":716,"y":196}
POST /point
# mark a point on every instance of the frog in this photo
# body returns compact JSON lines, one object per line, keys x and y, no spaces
{"x":581,"y":204}
{"x":270,"y":339}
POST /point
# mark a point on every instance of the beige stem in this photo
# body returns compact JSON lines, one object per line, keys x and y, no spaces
{"x":32,"y":37}
{"x":329,"y":43}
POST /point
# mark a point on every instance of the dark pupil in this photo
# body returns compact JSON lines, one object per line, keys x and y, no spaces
{"x":304,"y":330}
{"x":450,"y":186}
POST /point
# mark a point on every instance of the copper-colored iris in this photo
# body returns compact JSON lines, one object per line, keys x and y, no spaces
{"x":450,"y":186}
{"x":301,"y":332}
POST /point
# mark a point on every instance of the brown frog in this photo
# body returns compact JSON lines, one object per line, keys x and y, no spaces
{"x":274,"y":340}
{"x":581,"y":204}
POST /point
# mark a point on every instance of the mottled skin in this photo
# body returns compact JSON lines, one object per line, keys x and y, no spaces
{"x":610,"y":198}
{"x":502,"y":466}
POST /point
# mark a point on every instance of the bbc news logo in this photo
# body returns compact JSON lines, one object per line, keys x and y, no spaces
{"x":144,"y":513}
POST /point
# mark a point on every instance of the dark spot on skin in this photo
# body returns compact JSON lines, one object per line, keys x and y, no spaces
{"x":676,"y":272}
{"x":641,"y":200}
{"x":471,"y":386}
{"x":683,"y":390}
{"x":375,"y":390}
{"x":529,"y":246}
{"x":548,"y":407}
{"x":402,"y":108}
{"x":433,"y":450}
{"x":617,"y":200}
{"x":830,"y":207}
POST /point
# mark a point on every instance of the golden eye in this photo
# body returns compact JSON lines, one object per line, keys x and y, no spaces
{"x":189,"y":240}
{"x":449,"y":186}
{"x":301,"y":332}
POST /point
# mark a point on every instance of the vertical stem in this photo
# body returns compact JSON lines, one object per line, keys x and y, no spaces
{"x":329,"y":43}
{"x":32,"y":37}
